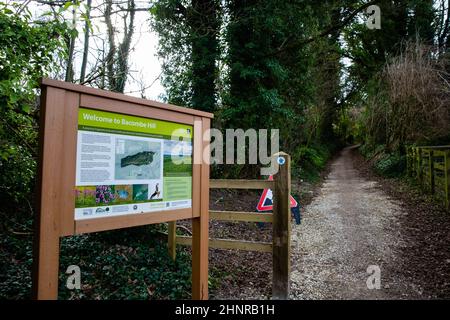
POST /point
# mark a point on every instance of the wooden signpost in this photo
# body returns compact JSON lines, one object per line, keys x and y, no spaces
{"x":105,"y":164}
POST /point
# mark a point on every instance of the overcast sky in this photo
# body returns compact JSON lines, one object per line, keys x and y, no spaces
{"x":144,"y":64}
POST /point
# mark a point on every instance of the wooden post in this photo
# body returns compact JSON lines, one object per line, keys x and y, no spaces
{"x":416,"y":163}
{"x":281,"y":227}
{"x":446,"y":175}
{"x":408,"y":161}
{"x":420,"y":169}
{"x":47,"y":222}
{"x":411,"y":159}
{"x":172,"y":239}
{"x":431,"y":170}
{"x":200,"y":225}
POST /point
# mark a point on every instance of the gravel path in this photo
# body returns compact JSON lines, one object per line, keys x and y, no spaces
{"x":349,"y":226}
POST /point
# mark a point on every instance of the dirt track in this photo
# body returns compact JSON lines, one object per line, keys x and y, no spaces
{"x":349,"y":226}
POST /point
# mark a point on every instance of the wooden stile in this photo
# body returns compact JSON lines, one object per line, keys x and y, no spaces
{"x":280,"y":219}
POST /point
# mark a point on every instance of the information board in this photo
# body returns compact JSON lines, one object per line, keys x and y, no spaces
{"x":109,"y":161}
{"x":128,"y":165}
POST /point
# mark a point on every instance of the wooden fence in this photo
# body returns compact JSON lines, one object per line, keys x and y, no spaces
{"x":430,"y":165}
{"x":280,"y":219}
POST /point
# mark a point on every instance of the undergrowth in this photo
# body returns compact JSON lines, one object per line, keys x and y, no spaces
{"x":122,"y":264}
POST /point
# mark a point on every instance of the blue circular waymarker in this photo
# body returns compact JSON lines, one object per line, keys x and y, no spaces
{"x":281,"y":160}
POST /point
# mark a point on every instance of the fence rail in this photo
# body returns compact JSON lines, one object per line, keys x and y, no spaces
{"x":280,"y":219}
{"x":240,"y":216}
{"x":230,"y":244}
{"x":430,"y":166}
{"x":240,"y":184}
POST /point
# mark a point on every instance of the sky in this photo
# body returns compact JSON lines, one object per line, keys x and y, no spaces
{"x":144,"y":58}
{"x":144,"y":64}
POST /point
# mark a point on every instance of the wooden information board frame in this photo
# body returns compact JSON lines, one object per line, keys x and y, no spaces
{"x":60,"y":102}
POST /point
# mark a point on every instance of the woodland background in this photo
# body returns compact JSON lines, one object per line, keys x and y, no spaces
{"x":309,"y":68}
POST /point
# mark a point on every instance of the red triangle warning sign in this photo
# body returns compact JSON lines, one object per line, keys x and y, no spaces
{"x":266,"y":203}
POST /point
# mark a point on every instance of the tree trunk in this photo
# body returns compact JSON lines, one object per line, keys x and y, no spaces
{"x":117,"y":58}
{"x":204,"y":25}
{"x":69,"y":69}
{"x":110,"y":57}
{"x":124,"y":48}
{"x":86,"y":41}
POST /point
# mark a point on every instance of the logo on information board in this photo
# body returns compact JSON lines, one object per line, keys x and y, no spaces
{"x":266,"y":203}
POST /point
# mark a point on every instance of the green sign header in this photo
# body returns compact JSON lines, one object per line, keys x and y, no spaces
{"x":117,"y":121}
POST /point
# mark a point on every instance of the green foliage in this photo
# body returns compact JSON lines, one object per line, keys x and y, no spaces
{"x":27,"y":53}
{"x":125,"y":264}
{"x":397,"y":81}
{"x":255,"y":64}
{"x":267,"y":79}
{"x":309,"y":161}
{"x":370,"y":151}
{"x":370,"y":49}
{"x":122,"y":264}
{"x":406,"y":103}
{"x":189,"y":46}
{"x":387,"y":164}
{"x":315,"y":157}
{"x":268,"y":88}
{"x":391,"y":165}
{"x":18,"y":135}
{"x":15,"y":265}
